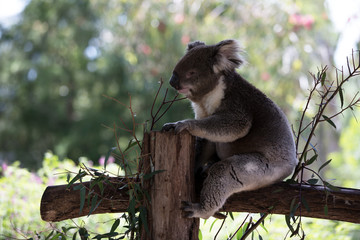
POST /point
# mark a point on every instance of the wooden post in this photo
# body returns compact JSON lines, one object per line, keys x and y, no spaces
{"x":174,"y":154}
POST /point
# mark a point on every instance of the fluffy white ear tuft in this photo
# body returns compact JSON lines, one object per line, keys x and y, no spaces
{"x":227,"y":56}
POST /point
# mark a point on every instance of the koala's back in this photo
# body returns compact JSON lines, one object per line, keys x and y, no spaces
{"x":270,"y":133}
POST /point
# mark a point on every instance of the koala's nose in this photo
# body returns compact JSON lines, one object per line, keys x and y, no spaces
{"x":174,"y":81}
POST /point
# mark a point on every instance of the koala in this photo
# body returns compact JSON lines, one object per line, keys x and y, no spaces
{"x":245,"y":139}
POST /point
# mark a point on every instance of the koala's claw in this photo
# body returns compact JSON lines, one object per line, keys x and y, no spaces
{"x":168,"y":127}
{"x":194,"y":210}
{"x":187,"y":209}
{"x":177,"y":126}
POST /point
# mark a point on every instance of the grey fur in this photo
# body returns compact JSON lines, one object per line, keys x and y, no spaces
{"x":243,"y":134}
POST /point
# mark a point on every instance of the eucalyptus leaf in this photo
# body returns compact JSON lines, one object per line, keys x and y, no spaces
{"x":82,"y":198}
{"x":324,"y":165}
{"x":287,"y":220}
{"x":108,"y":156}
{"x":115,"y":225}
{"x":341,"y":95}
{"x":323,"y":78}
{"x":311,"y":160}
{"x":312,"y":181}
{"x":329,"y":121}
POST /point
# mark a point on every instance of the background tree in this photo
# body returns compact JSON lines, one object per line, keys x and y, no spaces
{"x":62,"y":56}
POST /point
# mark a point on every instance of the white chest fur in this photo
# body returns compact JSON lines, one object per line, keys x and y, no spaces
{"x":210,"y":102}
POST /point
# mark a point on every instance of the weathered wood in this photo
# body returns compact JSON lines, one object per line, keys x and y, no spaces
{"x":175,"y":155}
{"x":60,"y":202}
{"x":343,"y":205}
{"x":172,"y":153}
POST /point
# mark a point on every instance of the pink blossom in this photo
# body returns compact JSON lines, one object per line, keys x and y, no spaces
{"x":4,"y":167}
{"x":35,"y":179}
{"x":145,"y":49}
{"x":102,"y":160}
{"x":298,"y":20}
{"x":265,"y":76}
{"x":179,"y":18}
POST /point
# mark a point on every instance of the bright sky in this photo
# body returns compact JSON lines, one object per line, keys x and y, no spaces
{"x":345,"y":15}
{"x":10,"y":8}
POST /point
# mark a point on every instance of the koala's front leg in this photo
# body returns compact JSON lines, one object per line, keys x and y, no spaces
{"x":215,"y":128}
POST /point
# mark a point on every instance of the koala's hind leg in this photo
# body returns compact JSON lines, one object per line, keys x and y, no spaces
{"x":235,"y":174}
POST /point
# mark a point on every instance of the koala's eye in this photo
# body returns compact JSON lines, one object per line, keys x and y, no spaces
{"x":190,"y":74}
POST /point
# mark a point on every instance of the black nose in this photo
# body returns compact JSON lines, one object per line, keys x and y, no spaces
{"x":174,"y":81}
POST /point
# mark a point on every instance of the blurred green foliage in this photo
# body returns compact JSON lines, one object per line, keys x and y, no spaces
{"x":346,"y":159}
{"x":62,"y":56}
{"x":21,"y":191}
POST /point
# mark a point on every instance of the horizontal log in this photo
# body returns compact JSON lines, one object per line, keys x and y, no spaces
{"x":342,"y":205}
{"x":59,"y":203}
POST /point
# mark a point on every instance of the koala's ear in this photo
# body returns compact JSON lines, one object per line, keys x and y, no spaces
{"x":227,"y":56}
{"x":194,"y":44}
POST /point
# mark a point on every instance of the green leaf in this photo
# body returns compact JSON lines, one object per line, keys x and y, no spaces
{"x":143,"y":217}
{"x":323,"y":78}
{"x":293,"y":207}
{"x":263,"y":226}
{"x":200,"y":235}
{"x":108,"y":155}
{"x":312,"y":181}
{"x":341,"y":97}
{"x":150,"y":175}
{"x":326,"y":209}
{"x":57,"y":236}
{"x":324,"y":165}
{"x":243,"y":229}
{"x":311,"y":160}
{"x":82,"y":198}
{"x":329,"y":121}
{"x":50,"y":234}
{"x":332,"y":187}
{"x":231,"y":215}
{"x":78,"y":187}
{"x":306,"y":205}
{"x":94,"y":206}
{"x":287,"y":220}
{"x":68,"y":177}
{"x":83,"y":233}
{"x":291,"y":181}
{"x":78,"y":176}
{"x":130,"y":145}
{"x":115,"y":225}
{"x":106,"y":235}
{"x":213,"y":224}
{"x":101,"y":187}
{"x":131,"y":207}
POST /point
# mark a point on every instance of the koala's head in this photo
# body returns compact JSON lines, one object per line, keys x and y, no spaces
{"x":200,"y":69}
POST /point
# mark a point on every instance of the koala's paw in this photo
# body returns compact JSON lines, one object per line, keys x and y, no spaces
{"x":193,"y":210}
{"x":177,"y":126}
{"x":168,"y":127}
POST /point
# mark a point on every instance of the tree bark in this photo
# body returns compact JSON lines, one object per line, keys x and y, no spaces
{"x":175,"y":155}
